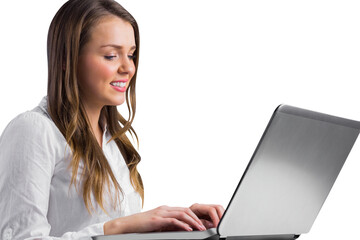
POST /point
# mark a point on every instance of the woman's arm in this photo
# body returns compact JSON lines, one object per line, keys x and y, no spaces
{"x":27,"y":164}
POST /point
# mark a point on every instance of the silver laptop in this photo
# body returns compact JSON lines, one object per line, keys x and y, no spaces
{"x":286,"y":181}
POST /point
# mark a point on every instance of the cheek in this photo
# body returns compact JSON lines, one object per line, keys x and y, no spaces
{"x":96,"y":71}
{"x":132,"y":70}
{"x":101,"y":70}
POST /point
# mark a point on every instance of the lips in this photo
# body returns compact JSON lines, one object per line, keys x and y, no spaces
{"x":119,"y":85}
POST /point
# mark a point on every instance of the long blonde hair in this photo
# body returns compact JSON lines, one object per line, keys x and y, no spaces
{"x":69,"y":31}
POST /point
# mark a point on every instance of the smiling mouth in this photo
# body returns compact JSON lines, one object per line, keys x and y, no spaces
{"x":118,"y":84}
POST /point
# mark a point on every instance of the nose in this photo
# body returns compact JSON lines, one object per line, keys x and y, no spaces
{"x":126,"y":66}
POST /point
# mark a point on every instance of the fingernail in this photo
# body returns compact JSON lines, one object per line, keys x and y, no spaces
{"x":201,"y":226}
{"x":189,"y":229}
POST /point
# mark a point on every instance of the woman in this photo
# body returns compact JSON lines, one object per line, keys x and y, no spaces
{"x":67,"y":168}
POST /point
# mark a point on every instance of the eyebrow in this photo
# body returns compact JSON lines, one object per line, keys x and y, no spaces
{"x":116,"y":46}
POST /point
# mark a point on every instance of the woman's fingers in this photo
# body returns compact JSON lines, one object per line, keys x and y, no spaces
{"x":183,"y":214}
{"x":219,"y":209}
{"x":193,"y":216}
{"x":171,"y":223}
{"x":167,"y":218}
{"x":208,"y":212}
{"x":207,"y":224}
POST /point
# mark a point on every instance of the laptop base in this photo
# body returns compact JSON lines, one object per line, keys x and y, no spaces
{"x":271,"y":237}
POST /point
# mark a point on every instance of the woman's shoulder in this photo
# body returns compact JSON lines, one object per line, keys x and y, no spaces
{"x":37,"y":117}
{"x":35,"y":122}
{"x":29,"y":120}
{"x":32,"y":133}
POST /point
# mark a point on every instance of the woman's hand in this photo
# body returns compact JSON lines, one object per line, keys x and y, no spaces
{"x":197,"y":217}
{"x":163,"y":218}
{"x":209,"y":214}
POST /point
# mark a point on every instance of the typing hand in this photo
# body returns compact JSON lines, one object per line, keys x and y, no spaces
{"x":209,"y":214}
{"x":163,"y":218}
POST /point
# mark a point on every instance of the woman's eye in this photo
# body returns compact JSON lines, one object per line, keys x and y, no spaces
{"x":109,"y":57}
{"x":132,"y":57}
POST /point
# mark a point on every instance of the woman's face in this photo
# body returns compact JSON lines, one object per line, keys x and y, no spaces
{"x":106,"y":63}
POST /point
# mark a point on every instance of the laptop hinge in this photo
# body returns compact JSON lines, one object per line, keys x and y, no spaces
{"x":263,"y":237}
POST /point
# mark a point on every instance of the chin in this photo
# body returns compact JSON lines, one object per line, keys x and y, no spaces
{"x":117,"y":102}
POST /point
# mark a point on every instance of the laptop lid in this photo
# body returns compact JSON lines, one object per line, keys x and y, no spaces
{"x":290,"y":174}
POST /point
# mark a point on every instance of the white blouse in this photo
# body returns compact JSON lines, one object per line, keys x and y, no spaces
{"x":36,"y":201}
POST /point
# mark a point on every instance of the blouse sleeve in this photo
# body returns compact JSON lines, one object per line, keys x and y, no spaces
{"x":27,"y":162}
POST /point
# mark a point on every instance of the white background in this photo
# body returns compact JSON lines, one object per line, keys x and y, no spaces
{"x":210,"y":75}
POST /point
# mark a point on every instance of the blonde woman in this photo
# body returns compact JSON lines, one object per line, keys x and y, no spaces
{"x":67,"y":168}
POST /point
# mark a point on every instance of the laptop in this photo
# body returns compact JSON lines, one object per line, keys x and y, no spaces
{"x":286,"y":182}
